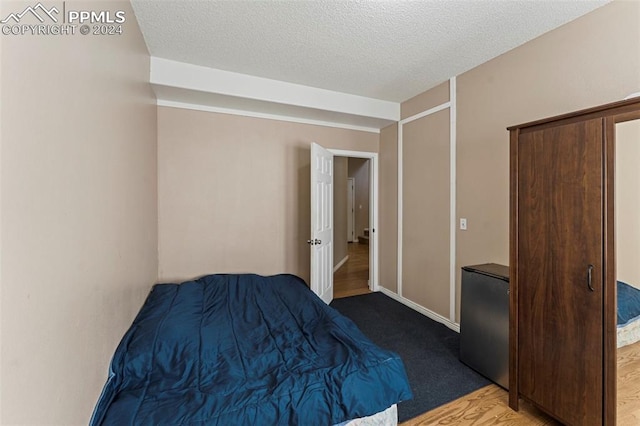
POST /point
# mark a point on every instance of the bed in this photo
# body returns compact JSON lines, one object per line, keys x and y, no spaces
{"x":247,"y":350}
{"x":628,"y":314}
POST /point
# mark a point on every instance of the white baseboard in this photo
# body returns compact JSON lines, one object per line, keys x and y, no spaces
{"x":419,"y":308}
{"x":342,"y":262}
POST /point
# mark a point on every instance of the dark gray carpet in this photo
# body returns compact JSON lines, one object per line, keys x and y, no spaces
{"x":428,"y":349}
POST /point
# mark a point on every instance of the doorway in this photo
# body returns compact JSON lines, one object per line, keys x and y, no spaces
{"x":355,"y":207}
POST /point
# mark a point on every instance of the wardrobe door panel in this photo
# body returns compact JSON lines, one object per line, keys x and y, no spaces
{"x":560,"y":267}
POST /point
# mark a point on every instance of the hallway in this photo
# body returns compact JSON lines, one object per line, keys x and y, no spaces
{"x":352,"y":277}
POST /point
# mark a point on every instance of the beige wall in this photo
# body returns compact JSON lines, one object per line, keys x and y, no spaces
{"x":359,"y":171}
{"x":425,"y":206}
{"x":2,"y":9}
{"x":340,"y":172}
{"x":627,"y":188}
{"x":234,"y":192}
{"x":78,"y":213}
{"x":388,"y":208}
{"x":592,"y":60}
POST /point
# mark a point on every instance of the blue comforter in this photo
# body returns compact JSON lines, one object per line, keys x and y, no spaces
{"x":245,"y":350}
{"x":628,"y":304}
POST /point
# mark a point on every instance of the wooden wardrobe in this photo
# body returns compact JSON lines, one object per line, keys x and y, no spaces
{"x":562,"y":352}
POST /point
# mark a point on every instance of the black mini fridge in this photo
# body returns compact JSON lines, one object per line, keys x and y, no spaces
{"x":484,"y":321}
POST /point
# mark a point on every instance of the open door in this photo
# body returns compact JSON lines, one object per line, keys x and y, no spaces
{"x":321,"y":222}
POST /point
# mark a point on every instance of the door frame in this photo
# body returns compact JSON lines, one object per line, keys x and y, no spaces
{"x":351,"y":214}
{"x":373,"y":210}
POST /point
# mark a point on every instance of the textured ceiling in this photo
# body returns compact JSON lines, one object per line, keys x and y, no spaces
{"x":391,"y":50}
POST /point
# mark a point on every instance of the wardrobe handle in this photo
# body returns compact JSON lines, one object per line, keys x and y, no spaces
{"x":589,"y":274}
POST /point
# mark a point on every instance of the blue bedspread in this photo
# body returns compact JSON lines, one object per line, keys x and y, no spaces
{"x":245,"y":350}
{"x":628,"y":304}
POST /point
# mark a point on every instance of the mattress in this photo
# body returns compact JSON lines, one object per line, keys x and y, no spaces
{"x":388,"y":417}
{"x":246,"y":349}
{"x":628,"y":334}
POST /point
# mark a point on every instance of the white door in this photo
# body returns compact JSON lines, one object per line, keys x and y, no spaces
{"x":351,"y":213}
{"x":321,"y":241}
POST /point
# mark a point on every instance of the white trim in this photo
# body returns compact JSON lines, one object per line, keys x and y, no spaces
{"x":183,"y":82}
{"x":355,"y":154}
{"x":373,"y":223}
{"x":452,"y":198}
{"x":342,"y":262}
{"x":177,"y":74}
{"x":421,"y":309}
{"x":374,"y":247}
{"x":2,"y":233}
{"x":351,"y":202}
{"x":430,"y":111}
{"x":244,"y":113}
{"x":400,"y":212}
{"x":452,"y":105}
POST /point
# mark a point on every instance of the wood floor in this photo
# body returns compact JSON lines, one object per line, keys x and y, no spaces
{"x":352,"y":277}
{"x":629,"y":385}
{"x":489,"y":406}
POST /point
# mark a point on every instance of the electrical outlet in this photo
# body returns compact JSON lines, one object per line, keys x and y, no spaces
{"x":463,"y":223}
